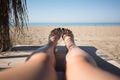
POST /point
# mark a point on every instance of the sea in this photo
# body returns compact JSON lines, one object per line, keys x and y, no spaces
{"x":73,"y":24}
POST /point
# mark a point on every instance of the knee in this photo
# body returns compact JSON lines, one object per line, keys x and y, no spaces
{"x":74,"y":59}
{"x":80,"y":59}
{"x":39,"y":57}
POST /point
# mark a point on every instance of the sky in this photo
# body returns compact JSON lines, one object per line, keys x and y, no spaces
{"x":74,"y":11}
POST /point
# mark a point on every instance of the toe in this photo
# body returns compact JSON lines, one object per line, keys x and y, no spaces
{"x":55,"y":33}
{"x":58,"y":31}
{"x":66,"y":32}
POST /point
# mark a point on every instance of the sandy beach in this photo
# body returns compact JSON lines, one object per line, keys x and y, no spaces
{"x":104,"y":38}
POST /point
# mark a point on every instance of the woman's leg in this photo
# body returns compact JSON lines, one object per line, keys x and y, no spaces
{"x":79,"y":64}
{"x":39,"y":66}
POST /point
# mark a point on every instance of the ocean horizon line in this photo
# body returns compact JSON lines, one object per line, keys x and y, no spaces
{"x":71,"y":24}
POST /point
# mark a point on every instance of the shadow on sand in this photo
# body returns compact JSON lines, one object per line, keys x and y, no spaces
{"x":60,"y":57}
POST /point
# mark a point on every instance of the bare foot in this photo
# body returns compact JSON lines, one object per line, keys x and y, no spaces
{"x":73,"y":50}
{"x":68,"y":37}
{"x":49,"y":49}
{"x":51,"y":46}
{"x":54,"y":37}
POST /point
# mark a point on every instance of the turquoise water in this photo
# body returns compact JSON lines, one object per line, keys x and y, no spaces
{"x":73,"y":24}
